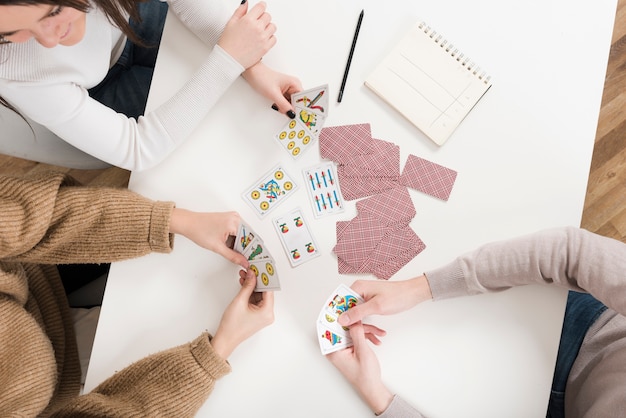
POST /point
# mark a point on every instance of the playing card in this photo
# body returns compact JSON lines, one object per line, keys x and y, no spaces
{"x":342,"y":299}
{"x":353,"y":188}
{"x":243,"y":239}
{"x":330,"y":341}
{"x":392,"y":207}
{"x":296,"y":238}
{"x":323,"y":188}
{"x":393,"y":252}
{"x":358,"y":239}
{"x":312,"y":121}
{"x":295,"y":137}
{"x":256,"y":250}
{"x":269,"y":191}
{"x":266,"y":276}
{"x":341,"y":143}
{"x":314,"y":100}
{"x":330,"y":321}
{"x":428,"y":177}
{"x":382,"y":161}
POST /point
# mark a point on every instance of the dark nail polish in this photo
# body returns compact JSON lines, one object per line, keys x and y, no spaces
{"x":291,"y":114}
{"x":275,"y":107}
{"x":243,"y":1}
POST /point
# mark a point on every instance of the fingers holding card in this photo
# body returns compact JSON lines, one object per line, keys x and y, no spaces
{"x":330,"y":335}
{"x":250,"y":244}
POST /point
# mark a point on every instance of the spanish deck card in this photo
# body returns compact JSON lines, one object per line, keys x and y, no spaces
{"x":322,"y":185}
{"x":311,"y":109}
{"x":331,"y":335}
{"x":266,"y":275}
{"x":269,"y":191}
{"x":296,"y":238}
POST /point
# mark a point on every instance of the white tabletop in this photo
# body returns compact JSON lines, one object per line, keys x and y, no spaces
{"x":522,"y":157}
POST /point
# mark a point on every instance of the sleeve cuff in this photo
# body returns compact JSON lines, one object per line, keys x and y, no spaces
{"x":203,"y":352}
{"x":160,"y":238}
{"x":447,"y":281}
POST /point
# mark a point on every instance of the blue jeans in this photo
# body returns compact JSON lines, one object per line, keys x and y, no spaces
{"x":581,"y":312}
{"x":125,"y":87}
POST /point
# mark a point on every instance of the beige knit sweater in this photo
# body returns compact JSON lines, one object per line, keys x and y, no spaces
{"x":48,"y":220}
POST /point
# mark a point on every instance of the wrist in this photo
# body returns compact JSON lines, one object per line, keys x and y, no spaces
{"x":420,"y":289}
{"x":379,"y":399}
{"x":179,"y":221}
{"x":222,"y":346}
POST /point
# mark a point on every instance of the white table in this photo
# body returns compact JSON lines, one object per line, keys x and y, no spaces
{"x":522,"y":155}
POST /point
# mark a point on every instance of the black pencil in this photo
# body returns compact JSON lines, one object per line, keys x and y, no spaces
{"x":345,"y":73}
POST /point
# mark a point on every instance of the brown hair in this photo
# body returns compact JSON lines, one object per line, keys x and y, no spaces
{"x":115,"y":11}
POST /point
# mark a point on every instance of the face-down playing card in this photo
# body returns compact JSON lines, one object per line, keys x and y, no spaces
{"x":270,"y":190}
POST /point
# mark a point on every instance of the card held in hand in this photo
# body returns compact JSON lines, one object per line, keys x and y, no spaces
{"x":332,"y":336}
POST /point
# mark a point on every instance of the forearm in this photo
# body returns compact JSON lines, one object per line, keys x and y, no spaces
{"x":206,"y":19}
{"x":96,"y":225}
{"x":568,"y":257}
{"x":164,"y":384}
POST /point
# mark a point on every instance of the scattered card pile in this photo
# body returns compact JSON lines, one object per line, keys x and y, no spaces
{"x":248,"y":243}
{"x":296,"y":238}
{"x":311,"y":108}
{"x":270,"y":190}
{"x":324,"y":192}
{"x":379,"y":239}
{"x":331,"y":335}
{"x":367,"y":166}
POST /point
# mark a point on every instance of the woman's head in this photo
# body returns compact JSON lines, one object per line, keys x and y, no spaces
{"x":49,"y":22}
{"x":59,"y":22}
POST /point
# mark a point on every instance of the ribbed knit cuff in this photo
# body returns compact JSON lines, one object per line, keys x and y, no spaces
{"x":203,"y":352}
{"x":399,"y":408}
{"x":160,"y":238}
{"x":447,"y":281}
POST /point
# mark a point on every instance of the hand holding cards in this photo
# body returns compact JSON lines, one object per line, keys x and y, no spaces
{"x":332,"y":336}
{"x":248,"y":243}
{"x":311,"y":110}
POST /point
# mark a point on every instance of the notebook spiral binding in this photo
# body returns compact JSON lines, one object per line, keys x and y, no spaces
{"x":455,"y":53}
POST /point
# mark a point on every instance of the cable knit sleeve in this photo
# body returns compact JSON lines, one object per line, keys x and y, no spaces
{"x":175,"y":382}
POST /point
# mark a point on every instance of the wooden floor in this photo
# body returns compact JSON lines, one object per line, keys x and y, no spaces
{"x":605,"y":202}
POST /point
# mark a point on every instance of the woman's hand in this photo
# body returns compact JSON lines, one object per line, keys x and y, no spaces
{"x":209,"y":230}
{"x":360,"y":366}
{"x":248,"y":35}
{"x":249,"y":312}
{"x":277,"y":87}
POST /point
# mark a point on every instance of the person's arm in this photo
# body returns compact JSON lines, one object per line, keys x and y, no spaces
{"x":569,"y":257}
{"x":48,"y":219}
{"x":178,"y":381}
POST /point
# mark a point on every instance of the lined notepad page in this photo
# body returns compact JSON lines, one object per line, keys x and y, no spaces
{"x":430,"y":82}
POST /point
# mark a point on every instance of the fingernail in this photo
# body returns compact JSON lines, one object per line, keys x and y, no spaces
{"x":275,"y":107}
{"x":243,"y":1}
{"x":291,"y":114}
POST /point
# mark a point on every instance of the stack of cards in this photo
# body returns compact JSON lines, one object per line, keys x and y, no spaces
{"x":248,"y":243}
{"x":311,"y":108}
{"x":270,"y":190}
{"x":331,"y":335}
{"x":295,"y":235}
{"x":368,"y":166}
{"x":379,"y":239}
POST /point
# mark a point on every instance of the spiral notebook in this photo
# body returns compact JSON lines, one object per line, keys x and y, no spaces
{"x":430,"y":82}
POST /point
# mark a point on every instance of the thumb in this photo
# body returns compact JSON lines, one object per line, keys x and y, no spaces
{"x":357,"y":333}
{"x":248,"y":285}
{"x":354,"y":314}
